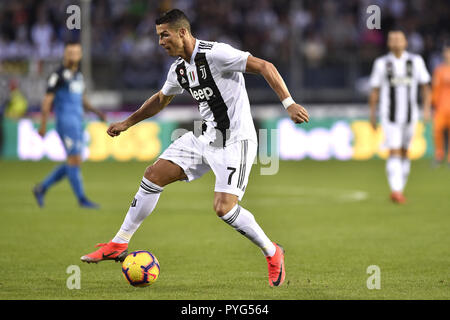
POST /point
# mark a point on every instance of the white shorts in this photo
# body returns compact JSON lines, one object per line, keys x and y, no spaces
{"x":398,"y":136}
{"x":231,"y":165}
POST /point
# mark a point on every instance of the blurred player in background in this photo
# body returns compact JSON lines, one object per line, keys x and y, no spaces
{"x":17,"y":104}
{"x":394,"y":80}
{"x":65,"y":92}
{"x":227,"y":143}
{"x":441,"y":102}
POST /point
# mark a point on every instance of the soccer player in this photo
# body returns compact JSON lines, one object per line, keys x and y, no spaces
{"x":65,"y":92}
{"x":441,"y":102}
{"x":394,"y":80}
{"x":212,"y":73}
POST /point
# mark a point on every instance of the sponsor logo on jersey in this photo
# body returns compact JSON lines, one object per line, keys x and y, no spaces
{"x":398,"y":81}
{"x":76,"y":86}
{"x":202,"y":94}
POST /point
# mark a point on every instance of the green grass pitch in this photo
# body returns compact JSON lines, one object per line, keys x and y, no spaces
{"x":333,"y":218}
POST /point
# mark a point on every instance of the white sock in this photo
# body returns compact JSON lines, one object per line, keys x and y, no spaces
{"x":143,"y":204}
{"x":394,"y":172}
{"x":406,"y":168}
{"x":244,"y":222}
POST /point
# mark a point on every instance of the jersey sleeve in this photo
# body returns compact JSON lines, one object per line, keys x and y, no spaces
{"x":228,"y":59}
{"x":377,"y":74}
{"x":171,"y":87}
{"x":53,"y":82}
{"x":423,"y":75}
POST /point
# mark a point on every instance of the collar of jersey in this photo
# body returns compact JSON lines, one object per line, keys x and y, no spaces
{"x":194,"y":52}
{"x":402,"y":57}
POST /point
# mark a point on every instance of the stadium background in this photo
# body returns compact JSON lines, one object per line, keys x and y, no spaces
{"x":324,"y":51}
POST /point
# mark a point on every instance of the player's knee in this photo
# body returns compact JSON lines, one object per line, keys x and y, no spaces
{"x":221,"y":209}
{"x":223,"y":206}
{"x":395,"y":152}
{"x":74,"y":160}
{"x":152,"y":175}
{"x":404,"y":153}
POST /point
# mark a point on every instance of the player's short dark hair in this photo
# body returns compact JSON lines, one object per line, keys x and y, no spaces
{"x":71,"y":43}
{"x":176,"y":18}
{"x":399,"y":29}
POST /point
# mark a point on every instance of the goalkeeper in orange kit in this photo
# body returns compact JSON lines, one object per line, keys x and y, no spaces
{"x":441,"y":102}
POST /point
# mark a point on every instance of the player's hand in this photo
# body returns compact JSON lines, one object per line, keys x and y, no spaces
{"x":42,"y":130}
{"x":116,"y":128}
{"x":373,"y":123}
{"x":101,"y":116}
{"x":297,"y":113}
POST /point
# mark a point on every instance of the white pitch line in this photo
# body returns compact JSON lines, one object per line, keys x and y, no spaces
{"x":299,"y":195}
{"x":303,"y":193}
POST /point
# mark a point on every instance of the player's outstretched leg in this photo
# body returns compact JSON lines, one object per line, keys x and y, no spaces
{"x":143,"y":204}
{"x":244,"y":222}
{"x":40,"y":189}
{"x":162,"y":172}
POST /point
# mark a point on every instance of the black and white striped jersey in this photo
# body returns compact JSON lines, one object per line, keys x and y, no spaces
{"x":214,"y":79}
{"x":398,"y":80}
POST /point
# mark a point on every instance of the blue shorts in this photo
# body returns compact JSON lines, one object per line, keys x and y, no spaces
{"x":72,"y":139}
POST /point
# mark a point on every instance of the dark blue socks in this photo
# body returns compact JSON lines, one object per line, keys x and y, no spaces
{"x":74,"y":175}
{"x":57,"y":174}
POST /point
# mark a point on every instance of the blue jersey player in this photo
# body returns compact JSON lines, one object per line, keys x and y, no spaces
{"x":65,"y":92}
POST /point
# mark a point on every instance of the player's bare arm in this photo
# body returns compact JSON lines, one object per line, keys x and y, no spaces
{"x":46,"y":107}
{"x":297,"y":113}
{"x":373,"y":102}
{"x":149,"y":108}
{"x":426,"y":101}
{"x":89,"y":108}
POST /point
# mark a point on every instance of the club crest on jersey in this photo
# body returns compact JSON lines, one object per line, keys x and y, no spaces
{"x":203,"y":71}
{"x":67,"y":74}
